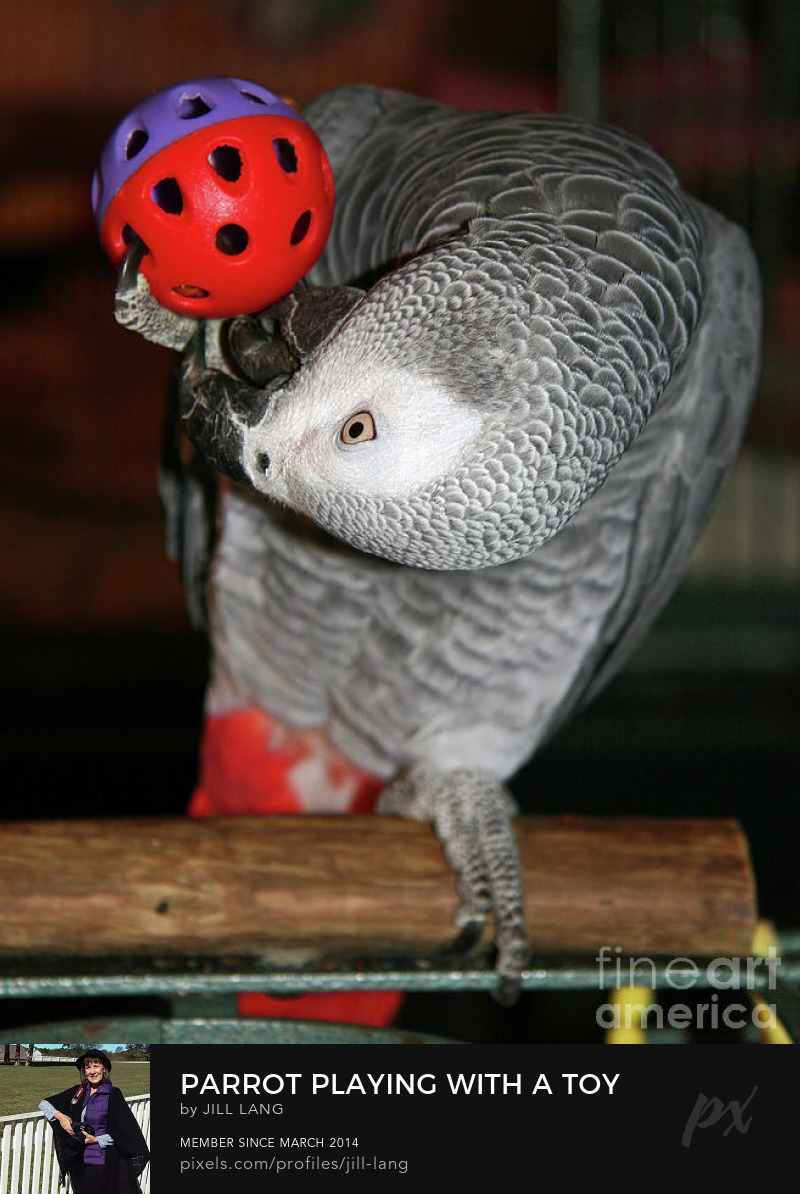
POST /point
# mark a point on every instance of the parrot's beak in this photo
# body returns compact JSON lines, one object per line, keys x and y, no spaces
{"x":262,"y":352}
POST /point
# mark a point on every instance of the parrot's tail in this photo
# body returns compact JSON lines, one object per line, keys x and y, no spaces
{"x":252,"y":765}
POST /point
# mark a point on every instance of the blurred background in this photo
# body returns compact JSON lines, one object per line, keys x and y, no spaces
{"x":101,"y":677}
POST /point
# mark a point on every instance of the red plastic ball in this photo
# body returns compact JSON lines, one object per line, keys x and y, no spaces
{"x":232,"y":215}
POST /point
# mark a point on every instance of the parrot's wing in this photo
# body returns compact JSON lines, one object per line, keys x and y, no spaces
{"x":678,"y":463}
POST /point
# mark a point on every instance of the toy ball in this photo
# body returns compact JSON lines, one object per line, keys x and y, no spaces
{"x":228,"y":188}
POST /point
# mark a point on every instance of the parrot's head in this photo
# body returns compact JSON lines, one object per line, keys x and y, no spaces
{"x":364,"y":448}
{"x":428,"y":440}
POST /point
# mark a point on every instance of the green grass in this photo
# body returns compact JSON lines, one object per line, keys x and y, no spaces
{"x":23,"y":1087}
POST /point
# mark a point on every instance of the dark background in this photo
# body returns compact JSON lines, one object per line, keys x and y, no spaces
{"x":101,"y":678}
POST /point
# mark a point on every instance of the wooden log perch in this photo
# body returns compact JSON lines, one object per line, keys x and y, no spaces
{"x":289,"y":889}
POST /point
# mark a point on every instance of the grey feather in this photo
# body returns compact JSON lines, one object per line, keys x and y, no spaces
{"x":582,"y":339}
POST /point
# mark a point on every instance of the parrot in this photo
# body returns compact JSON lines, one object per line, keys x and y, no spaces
{"x":465,"y":463}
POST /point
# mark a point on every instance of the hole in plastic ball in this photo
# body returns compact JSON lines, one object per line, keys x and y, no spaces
{"x":192,"y":106}
{"x":131,"y":237}
{"x":167,"y":194}
{"x":232,"y":239}
{"x":187,"y":290}
{"x":300,"y":230}
{"x":226,"y":162}
{"x":255,"y":98}
{"x":97,"y":189}
{"x":286,"y":155}
{"x":135,"y":143}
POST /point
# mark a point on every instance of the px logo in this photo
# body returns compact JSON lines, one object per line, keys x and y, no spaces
{"x":710,"y":1111}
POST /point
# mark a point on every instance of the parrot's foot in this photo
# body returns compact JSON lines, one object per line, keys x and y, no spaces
{"x":135,"y":307}
{"x":471,"y":812}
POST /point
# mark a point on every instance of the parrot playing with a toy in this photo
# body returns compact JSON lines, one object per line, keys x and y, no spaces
{"x":473,"y":437}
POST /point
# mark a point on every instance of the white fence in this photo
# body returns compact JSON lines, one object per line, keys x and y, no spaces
{"x":27,"y":1157}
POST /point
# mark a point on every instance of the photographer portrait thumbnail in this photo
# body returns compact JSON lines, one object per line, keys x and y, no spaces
{"x":98,"y":1143}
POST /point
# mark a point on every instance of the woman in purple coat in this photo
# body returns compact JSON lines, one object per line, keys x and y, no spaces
{"x":107,"y":1153}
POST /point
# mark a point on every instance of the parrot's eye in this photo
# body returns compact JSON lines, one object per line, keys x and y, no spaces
{"x":358,"y":428}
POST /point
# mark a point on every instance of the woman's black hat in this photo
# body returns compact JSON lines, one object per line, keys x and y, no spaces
{"x":98,"y":1053}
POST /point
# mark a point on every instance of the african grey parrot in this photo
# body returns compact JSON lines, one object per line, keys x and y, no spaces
{"x":472,"y":452}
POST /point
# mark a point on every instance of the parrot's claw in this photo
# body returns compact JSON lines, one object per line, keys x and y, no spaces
{"x":468,"y":937}
{"x":471,"y":813}
{"x":135,"y":307}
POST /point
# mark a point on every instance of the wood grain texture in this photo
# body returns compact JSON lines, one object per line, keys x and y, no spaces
{"x":294,"y":888}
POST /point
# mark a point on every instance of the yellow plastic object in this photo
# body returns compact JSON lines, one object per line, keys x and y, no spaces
{"x":630,"y":1005}
{"x":764,"y":939}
